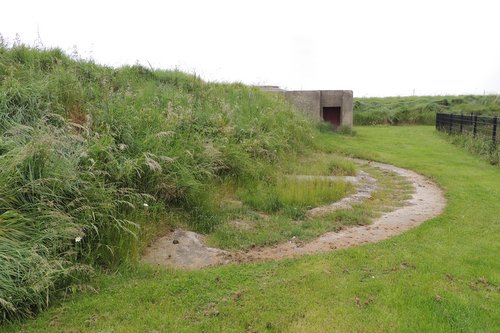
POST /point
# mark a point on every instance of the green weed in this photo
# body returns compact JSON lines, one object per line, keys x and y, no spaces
{"x":342,"y":167}
{"x":320,"y":164}
{"x":293,"y":195}
{"x":94,"y":161}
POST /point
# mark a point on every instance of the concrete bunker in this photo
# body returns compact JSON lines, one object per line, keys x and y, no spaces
{"x":332,"y":106}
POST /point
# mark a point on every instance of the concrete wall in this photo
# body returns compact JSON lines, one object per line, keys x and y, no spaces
{"x":347,"y":108}
{"x":312,"y":102}
{"x":308,"y":102}
{"x":331,"y":97}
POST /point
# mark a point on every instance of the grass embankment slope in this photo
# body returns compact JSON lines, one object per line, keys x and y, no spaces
{"x":442,"y":276}
{"x":95,"y":161}
{"x":420,"y":109}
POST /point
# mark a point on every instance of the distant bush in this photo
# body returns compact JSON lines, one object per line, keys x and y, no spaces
{"x":419,"y":110}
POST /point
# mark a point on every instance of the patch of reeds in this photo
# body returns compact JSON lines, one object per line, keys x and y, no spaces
{"x":420,"y":109}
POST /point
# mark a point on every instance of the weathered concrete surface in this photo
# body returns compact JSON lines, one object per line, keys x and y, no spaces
{"x":312,"y":102}
{"x":331,"y":97}
{"x":184,"y":249}
{"x":308,"y":102}
{"x":276,"y":89}
{"x":347,"y":109}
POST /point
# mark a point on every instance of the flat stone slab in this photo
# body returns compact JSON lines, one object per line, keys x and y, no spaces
{"x":184,"y":249}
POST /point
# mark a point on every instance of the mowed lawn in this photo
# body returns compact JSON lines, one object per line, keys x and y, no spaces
{"x":443,"y":276}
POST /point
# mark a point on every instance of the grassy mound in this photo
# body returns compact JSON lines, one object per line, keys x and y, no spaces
{"x":420,"y":110}
{"x":92,"y":157}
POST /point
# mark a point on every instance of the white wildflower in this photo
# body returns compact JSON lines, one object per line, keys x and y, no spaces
{"x":78,"y":239}
{"x":145,"y":205}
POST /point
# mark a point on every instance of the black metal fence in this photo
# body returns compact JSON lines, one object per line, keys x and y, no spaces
{"x":481,"y":127}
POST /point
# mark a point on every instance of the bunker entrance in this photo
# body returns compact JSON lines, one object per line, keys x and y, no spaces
{"x":331,"y":114}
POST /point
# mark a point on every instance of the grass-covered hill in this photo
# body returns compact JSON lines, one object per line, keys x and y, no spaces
{"x":420,"y":109}
{"x":93,"y":159}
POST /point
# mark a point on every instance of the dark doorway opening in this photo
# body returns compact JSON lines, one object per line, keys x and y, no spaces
{"x":331,"y":114}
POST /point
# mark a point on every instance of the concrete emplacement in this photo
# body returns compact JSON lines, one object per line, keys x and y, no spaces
{"x":333,"y":106}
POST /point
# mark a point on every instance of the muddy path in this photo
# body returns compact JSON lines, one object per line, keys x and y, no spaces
{"x":185,"y":249}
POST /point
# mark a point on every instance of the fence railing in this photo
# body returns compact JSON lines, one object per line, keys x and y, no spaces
{"x":485,"y":128}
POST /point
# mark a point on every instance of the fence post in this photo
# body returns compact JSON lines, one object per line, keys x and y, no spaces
{"x":461,"y":122}
{"x":474,"y":119}
{"x":494,"y":132}
{"x":451,"y":123}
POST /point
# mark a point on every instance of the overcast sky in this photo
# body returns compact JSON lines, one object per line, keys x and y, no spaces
{"x":375,"y":48}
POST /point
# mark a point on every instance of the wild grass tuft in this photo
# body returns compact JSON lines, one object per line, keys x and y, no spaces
{"x":320,"y":164}
{"x":480,"y":146}
{"x":94,"y":160}
{"x":341,"y":167}
{"x":293,"y":196}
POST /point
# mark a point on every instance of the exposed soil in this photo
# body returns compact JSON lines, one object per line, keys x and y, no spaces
{"x":185,"y":249}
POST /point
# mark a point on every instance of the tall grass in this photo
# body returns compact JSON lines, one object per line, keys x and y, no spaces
{"x":91,"y":157}
{"x":481,"y":146}
{"x":420,"y":110}
{"x":293,"y":196}
{"x":321,"y":164}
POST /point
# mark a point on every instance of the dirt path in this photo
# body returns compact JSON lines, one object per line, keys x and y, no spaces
{"x":186,"y":249}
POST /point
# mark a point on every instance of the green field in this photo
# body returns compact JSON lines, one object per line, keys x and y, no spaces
{"x":443,"y":276}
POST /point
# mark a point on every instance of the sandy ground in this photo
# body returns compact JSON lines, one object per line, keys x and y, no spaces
{"x":185,"y":249}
